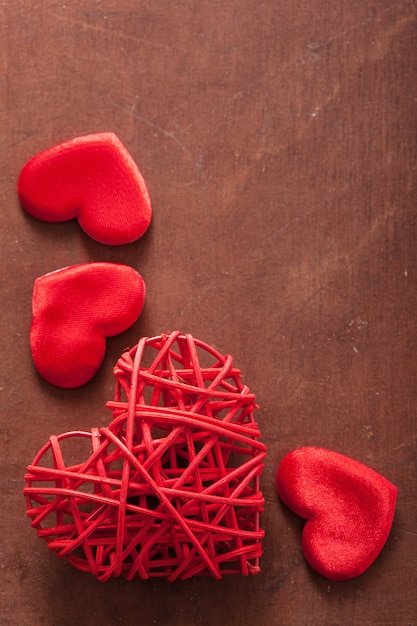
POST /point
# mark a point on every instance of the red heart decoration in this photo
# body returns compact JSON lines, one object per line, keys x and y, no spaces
{"x":92,"y":178}
{"x":74,"y":310}
{"x":349,"y":509}
{"x":171,"y":487}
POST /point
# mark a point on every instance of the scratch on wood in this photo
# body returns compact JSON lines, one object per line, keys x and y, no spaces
{"x":405,"y":530}
{"x":166,"y":133}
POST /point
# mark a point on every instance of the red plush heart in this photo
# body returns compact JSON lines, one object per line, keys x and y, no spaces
{"x":349,"y":509}
{"x":74,"y":310}
{"x":171,"y":487}
{"x":93,"y":178}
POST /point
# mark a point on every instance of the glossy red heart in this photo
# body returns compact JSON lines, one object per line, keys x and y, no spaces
{"x":74,"y":310}
{"x":349,"y":509}
{"x":92,"y":178}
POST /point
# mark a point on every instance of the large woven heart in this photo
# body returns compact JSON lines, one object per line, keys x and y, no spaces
{"x":171,"y":487}
{"x":92,"y":178}
{"x":349,"y":509}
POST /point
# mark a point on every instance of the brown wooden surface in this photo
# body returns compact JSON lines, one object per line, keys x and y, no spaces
{"x":278,"y":141}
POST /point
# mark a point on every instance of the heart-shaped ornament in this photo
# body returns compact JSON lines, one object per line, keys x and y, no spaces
{"x":171,"y":487}
{"x":92,"y":178}
{"x":74,"y":309}
{"x":349,"y":509}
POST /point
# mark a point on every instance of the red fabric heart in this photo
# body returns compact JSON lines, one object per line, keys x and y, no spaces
{"x":74,"y":310}
{"x":349,"y":509}
{"x":92,"y":178}
{"x":171,"y":487}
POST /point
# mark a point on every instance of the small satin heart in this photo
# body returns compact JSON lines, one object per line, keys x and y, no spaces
{"x":349,"y":509}
{"x":92,"y":178}
{"x":74,"y":310}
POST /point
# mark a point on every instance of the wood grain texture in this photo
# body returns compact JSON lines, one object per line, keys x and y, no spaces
{"x":278,"y":141}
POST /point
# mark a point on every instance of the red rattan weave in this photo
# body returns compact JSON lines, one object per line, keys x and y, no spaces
{"x":171,"y":487}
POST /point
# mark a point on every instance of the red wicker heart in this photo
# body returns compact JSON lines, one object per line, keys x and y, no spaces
{"x":171,"y":487}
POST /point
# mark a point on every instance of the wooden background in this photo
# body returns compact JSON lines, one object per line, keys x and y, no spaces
{"x":278,"y":141}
